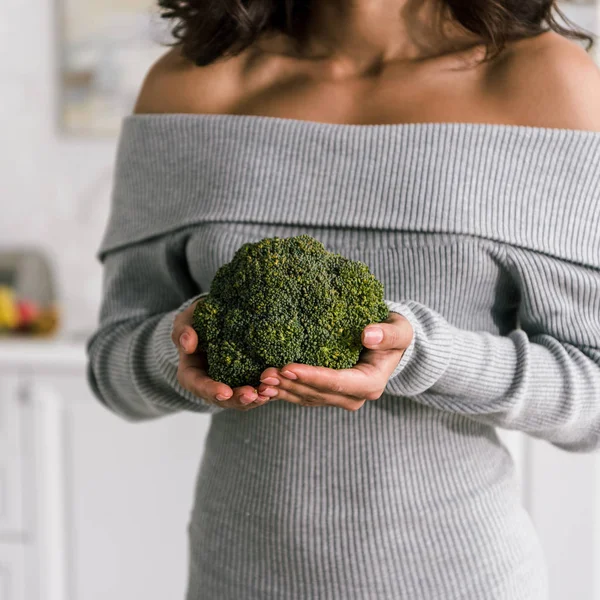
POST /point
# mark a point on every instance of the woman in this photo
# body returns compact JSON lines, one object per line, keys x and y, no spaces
{"x":454,"y":148}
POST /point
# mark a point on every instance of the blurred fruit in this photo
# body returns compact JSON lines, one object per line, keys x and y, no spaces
{"x":25,"y":317}
{"x":9,"y":313}
{"x":28,"y":312}
{"x":46,"y":322}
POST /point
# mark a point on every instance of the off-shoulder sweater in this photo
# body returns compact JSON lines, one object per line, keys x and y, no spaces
{"x":487,"y":239}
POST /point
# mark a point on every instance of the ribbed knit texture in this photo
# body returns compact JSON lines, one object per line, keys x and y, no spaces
{"x":486,"y":237}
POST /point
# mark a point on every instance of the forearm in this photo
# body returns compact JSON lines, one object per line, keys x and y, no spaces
{"x":537,"y":385}
{"x":132,"y":369}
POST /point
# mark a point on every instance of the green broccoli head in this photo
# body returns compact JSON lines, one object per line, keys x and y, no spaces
{"x":283,"y":300}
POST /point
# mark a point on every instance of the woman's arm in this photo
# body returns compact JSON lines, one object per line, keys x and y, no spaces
{"x":543,"y":379}
{"x":132,"y":361}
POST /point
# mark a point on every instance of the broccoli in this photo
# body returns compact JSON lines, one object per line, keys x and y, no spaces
{"x":283,"y":300}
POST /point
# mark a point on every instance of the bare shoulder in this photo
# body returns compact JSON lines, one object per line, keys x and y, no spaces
{"x":173,"y":84}
{"x":548,"y":81}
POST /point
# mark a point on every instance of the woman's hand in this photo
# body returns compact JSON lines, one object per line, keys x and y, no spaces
{"x":346,"y":388}
{"x":192,"y":375}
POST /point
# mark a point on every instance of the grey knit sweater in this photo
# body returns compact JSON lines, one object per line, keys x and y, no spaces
{"x":486,"y":237}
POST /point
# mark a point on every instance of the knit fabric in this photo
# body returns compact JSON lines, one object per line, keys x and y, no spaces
{"x":487,"y":239}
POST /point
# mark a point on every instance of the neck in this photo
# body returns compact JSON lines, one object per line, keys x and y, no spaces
{"x":359,"y":34}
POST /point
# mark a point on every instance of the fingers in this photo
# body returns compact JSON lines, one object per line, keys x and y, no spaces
{"x":396,"y":334}
{"x":183,"y":333}
{"x":192,"y":376}
{"x":245,"y":398}
{"x":192,"y":372}
{"x":189,"y":339}
{"x":351,"y":383}
{"x":314,"y":398}
{"x":184,"y":336}
{"x":244,"y":395}
{"x":375,"y":362}
{"x":298,"y":392}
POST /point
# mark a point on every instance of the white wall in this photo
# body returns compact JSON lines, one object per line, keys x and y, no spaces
{"x":55,"y":190}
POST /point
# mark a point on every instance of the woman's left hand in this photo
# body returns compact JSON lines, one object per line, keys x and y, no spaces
{"x":347,"y":388}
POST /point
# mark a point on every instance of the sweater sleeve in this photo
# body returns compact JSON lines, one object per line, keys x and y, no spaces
{"x":542,"y":379}
{"x":131,"y":359}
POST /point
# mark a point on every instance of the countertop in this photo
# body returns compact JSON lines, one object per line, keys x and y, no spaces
{"x":42,"y":353}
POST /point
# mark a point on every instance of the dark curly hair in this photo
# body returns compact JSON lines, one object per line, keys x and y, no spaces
{"x":208,"y":30}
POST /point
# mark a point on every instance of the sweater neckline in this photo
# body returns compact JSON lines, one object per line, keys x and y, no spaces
{"x":349,"y":127}
{"x":534,"y":187}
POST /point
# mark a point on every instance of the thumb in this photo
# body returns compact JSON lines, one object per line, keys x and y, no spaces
{"x":188,"y":339}
{"x":388,"y":336}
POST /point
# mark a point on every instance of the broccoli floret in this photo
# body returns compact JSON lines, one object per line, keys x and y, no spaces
{"x":283,"y":300}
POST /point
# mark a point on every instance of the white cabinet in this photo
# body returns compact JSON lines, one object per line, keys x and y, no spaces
{"x":11,"y":453}
{"x":12,"y":576}
{"x":92,"y":507}
{"x":128,"y":492}
{"x":12,"y":490}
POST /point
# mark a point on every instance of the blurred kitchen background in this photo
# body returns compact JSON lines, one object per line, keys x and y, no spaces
{"x":78,"y":485}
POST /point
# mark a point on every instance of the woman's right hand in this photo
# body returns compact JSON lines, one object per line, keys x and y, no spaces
{"x":192,"y":375}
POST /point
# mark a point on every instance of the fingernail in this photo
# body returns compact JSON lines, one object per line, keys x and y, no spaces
{"x":184,"y":339}
{"x":271,"y":381}
{"x":270,"y":392}
{"x":373,"y":335}
{"x":221,"y":397}
{"x":263,"y":398}
{"x":247,"y":399}
{"x":289,"y":375}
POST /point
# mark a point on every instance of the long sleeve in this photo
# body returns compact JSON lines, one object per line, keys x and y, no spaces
{"x":132,"y":361}
{"x":542,"y":379}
